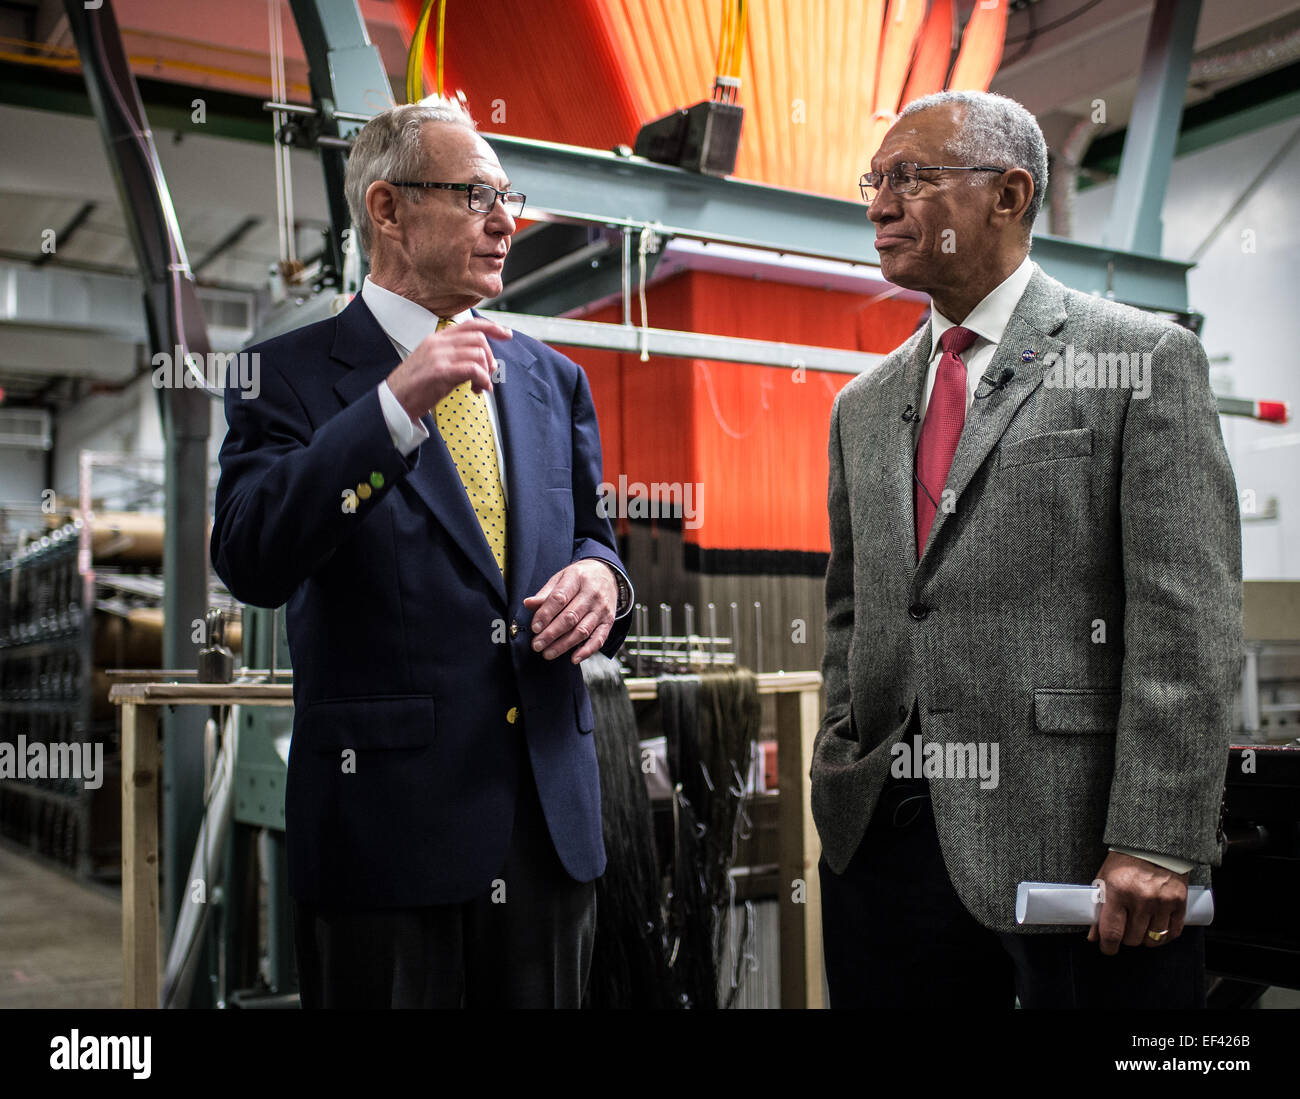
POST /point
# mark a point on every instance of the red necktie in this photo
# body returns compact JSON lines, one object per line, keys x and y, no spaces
{"x":944,"y":417}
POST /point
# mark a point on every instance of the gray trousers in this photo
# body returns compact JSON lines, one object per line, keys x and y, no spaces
{"x":533,"y":950}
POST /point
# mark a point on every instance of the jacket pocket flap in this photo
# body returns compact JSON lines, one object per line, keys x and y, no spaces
{"x":1043,"y":448}
{"x":1076,"y":711}
{"x":582,"y":709}
{"x":368,"y":724}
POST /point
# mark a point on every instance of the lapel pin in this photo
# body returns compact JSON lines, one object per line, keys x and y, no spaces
{"x":1028,"y":355}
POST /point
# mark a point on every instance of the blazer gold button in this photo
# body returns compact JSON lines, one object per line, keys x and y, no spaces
{"x":514,"y":629}
{"x":512,"y":714}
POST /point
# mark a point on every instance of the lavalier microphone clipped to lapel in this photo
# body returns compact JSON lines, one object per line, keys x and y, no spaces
{"x":1000,"y":382}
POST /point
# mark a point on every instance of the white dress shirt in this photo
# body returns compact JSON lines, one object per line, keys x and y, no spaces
{"x":406,"y":324}
{"x":988,"y":320}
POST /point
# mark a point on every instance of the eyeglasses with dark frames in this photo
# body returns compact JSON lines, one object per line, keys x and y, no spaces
{"x":903,"y":178}
{"x":482,"y":197}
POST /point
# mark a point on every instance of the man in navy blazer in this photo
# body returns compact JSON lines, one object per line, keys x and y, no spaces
{"x":443,"y":802}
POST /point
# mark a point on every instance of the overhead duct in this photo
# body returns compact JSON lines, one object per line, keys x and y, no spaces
{"x":1214,"y":68}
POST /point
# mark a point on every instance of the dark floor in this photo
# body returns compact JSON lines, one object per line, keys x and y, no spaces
{"x":60,"y":940}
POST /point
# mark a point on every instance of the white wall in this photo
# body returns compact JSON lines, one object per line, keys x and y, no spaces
{"x":22,"y":473}
{"x":117,"y":423}
{"x":1251,"y":303}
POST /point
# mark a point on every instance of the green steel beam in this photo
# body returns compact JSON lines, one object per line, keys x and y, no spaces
{"x":1135,"y":224}
{"x":564,"y":182}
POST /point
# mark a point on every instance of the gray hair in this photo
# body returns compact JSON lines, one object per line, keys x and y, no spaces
{"x":389,"y":146}
{"x":994,"y":129}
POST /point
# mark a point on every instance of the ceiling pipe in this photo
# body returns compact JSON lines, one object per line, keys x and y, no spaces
{"x":1215,"y":68}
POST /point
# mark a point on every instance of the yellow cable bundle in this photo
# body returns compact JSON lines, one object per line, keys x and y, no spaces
{"x":415,"y":58}
{"x":731,"y":47}
{"x":738,"y":48}
{"x":724,"y":40}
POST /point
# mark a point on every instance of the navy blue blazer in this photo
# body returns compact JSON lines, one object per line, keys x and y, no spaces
{"x":417,"y":695}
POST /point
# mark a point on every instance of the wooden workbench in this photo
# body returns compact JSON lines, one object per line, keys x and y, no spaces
{"x":797,"y":718}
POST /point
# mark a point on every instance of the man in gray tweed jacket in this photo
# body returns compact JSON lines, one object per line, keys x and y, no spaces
{"x":1033,"y":608}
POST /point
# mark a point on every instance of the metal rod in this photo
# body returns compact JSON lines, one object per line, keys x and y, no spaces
{"x":688,"y":611}
{"x":665,"y":630}
{"x":283,"y":166}
{"x":627,"y":276}
{"x":684,"y":345}
{"x":306,"y":109}
{"x":288,"y":108}
{"x":713,"y":630}
{"x":275,"y":642}
{"x":160,"y":675}
{"x":735,"y":631}
{"x":758,"y":637}
{"x":631,"y":643}
{"x":642,"y":618}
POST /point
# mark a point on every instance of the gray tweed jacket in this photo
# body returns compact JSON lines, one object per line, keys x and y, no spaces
{"x":1078,"y":603}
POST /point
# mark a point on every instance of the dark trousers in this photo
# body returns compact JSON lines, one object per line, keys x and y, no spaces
{"x":897,"y":935}
{"x":526,"y":943}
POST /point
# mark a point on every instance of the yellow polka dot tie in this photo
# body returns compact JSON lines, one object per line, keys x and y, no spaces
{"x":462,"y":418}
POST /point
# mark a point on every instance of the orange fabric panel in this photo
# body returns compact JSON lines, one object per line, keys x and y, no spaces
{"x":933,"y":54}
{"x":760,"y":443}
{"x":885,"y":325}
{"x":902,"y":28}
{"x":729,"y":305}
{"x":544,"y":69}
{"x":753,"y":438}
{"x":981,"y":47}
{"x":590,"y":72}
{"x":761,"y":432}
{"x":604,"y":371}
{"x":846,"y":133}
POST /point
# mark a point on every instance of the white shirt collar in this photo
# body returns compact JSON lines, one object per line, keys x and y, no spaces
{"x":989,"y":319}
{"x":405,"y":322}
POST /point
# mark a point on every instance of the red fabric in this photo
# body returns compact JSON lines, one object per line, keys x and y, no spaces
{"x":752,"y":438}
{"x":944,"y":416}
{"x":933,"y":54}
{"x":981,"y":47}
{"x":591,"y":72}
{"x":544,"y":69}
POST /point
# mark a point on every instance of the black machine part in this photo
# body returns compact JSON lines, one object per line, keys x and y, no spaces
{"x":701,"y":138}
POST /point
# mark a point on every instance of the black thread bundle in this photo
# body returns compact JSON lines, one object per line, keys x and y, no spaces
{"x":711,"y":722}
{"x":628,"y":968}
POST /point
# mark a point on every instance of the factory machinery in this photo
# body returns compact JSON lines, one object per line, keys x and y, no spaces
{"x":604,"y":222}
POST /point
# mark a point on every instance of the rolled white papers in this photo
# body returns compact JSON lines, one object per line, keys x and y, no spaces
{"x":1040,"y":902}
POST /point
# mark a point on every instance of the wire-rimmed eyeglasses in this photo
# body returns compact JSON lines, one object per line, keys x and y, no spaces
{"x":482,"y":197}
{"x":903,"y":178}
